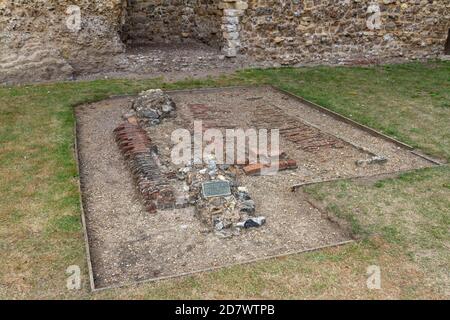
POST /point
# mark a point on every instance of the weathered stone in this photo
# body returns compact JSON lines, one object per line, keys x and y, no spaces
{"x":252,"y":223}
{"x":247,"y":206}
{"x":154,"y":104}
{"x":372,"y":160}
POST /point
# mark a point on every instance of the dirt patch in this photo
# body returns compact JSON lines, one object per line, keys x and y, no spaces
{"x":128,"y":244}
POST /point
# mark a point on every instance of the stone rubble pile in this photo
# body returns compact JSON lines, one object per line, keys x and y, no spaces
{"x":153,"y":105}
{"x":226,"y":214}
{"x":226,"y":207}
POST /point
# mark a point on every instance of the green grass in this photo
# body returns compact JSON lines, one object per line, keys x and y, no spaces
{"x":404,"y":221}
{"x":411,"y":213}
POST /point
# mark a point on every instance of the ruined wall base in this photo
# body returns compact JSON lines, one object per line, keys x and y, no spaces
{"x":41,"y":40}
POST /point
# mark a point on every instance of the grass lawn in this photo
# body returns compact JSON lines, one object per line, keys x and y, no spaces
{"x":403,"y":223}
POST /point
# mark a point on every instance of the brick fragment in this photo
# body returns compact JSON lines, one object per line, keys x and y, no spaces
{"x":255,"y":169}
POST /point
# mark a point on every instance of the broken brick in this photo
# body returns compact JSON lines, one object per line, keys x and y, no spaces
{"x":255,"y":169}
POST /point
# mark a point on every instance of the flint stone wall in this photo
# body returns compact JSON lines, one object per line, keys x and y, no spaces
{"x":335,"y":31}
{"x":150,"y":21}
{"x":39,"y":39}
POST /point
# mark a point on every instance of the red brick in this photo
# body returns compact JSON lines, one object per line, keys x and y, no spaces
{"x":255,"y":169}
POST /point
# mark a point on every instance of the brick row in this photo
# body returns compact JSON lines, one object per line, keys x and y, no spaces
{"x":306,"y":137}
{"x":138,"y":150}
{"x":211,"y":118}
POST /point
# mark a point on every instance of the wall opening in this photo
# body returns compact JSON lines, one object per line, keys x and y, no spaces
{"x":151,"y":22}
{"x":447,"y":44}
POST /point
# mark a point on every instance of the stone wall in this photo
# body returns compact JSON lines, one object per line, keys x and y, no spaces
{"x":207,"y":22}
{"x":344,"y":31}
{"x":50,"y":39}
{"x":153,"y":21}
{"x":55,"y":39}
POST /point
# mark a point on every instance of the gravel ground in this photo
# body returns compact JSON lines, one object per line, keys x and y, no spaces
{"x":128,"y":244}
{"x":326,"y":163}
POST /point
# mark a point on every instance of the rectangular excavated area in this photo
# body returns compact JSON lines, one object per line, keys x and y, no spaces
{"x":127,"y":244}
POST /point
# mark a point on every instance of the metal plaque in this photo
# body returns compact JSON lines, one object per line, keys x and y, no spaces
{"x":216,"y":189}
